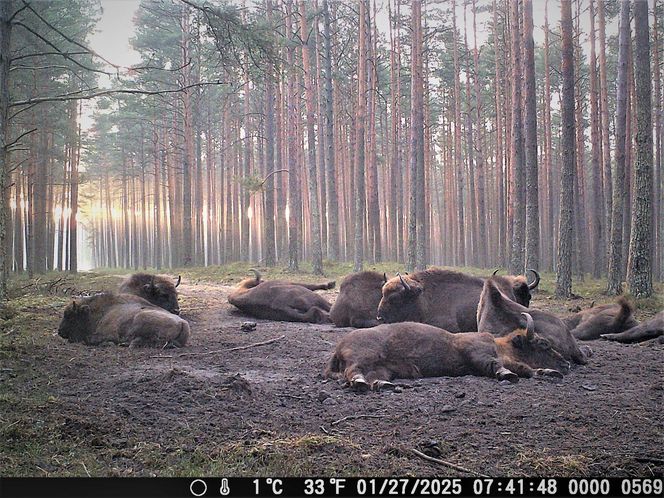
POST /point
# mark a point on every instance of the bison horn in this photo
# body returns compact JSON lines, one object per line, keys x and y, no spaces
{"x":495,"y":272}
{"x":403,"y":282}
{"x":179,"y":280}
{"x":384,"y":277}
{"x":530,"y":326}
{"x":535,"y":282}
{"x":256,"y":272}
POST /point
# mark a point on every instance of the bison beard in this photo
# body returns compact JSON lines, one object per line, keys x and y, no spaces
{"x":444,"y":298}
{"x":499,"y":315}
{"x":279,"y":300}
{"x":370,"y":358}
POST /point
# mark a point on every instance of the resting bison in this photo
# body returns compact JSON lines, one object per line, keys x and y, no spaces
{"x":499,"y":315}
{"x":612,"y":318}
{"x":444,"y":298}
{"x":122,"y":319}
{"x":357,"y":303}
{"x":370,"y":358}
{"x":647,"y":330}
{"x":279,"y":300}
{"x":158,"y":289}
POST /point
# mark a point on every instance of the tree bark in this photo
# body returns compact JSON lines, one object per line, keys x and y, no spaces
{"x":615,"y":276}
{"x":530,"y":122}
{"x":639,"y":274}
{"x":564,"y":270}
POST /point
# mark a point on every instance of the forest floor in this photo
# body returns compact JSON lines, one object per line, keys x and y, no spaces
{"x":74,"y":410}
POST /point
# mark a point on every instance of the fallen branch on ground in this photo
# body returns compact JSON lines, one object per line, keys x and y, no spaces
{"x":447,"y":464}
{"x":238,"y":348}
{"x":350,"y":417}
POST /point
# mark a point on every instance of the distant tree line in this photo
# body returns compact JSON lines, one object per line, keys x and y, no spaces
{"x":301,"y":130}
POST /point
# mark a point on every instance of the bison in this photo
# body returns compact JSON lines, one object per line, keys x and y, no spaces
{"x":158,"y":289}
{"x":357,"y":302}
{"x":499,"y":315}
{"x":280,"y":300}
{"x":647,"y":330}
{"x":612,"y":318}
{"x":370,"y":358}
{"x":445,"y":298}
{"x":123,"y":319}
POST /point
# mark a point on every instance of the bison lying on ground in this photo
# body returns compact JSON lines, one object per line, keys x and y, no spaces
{"x":612,"y":318}
{"x":370,"y":358}
{"x":158,"y":289}
{"x":499,"y":315}
{"x":647,"y":330}
{"x":445,"y":298}
{"x":357,"y":302}
{"x":122,"y":319}
{"x":280,"y":300}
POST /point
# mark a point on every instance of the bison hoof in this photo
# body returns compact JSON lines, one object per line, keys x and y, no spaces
{"x":549,"y":372}
{"x":378,"y":385}
{"x":508,"y":375}
{"x":608,"y":337}
{"x":359,"y":383}
{"x":587,"y":351}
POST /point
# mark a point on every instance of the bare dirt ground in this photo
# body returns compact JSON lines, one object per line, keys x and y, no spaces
{"x":70,"y":409}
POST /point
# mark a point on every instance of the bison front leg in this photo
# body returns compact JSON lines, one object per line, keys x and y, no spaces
{"x":356,"y":379}
{"x":484,"y":361}
{"x":379,"y":379}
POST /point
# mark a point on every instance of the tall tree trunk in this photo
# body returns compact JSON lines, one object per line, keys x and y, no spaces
{"x":530,"y":122}
{"x":518,"y":201}
{"x":5,"y":35}
{"x":639,"y":274}
{"x":480,"y":164}
{"x":330,"y":159}
{"x":458,"y":159}
{"x":293,"y":165}
{"x":615,"y":276}
{"x":316,"y":249}
{"x":360,"y":119}
{"x":598,"y":206}
{"x":564,"y":271}
{"x":604,"y":108}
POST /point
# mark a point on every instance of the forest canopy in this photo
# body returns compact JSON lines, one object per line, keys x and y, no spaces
{"x":484,"y":133}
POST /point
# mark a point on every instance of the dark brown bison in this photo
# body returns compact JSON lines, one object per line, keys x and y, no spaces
{"x":611,"y":318}
{"x":158,"y":289}
{"x":499,"y":315}
{"x":647,"y":330}
{"x":280,"y":300}
{"x":445,"y":298}
{"x":123,"y":319}
{"x":370,"y":358}
{"x":357,"y":302}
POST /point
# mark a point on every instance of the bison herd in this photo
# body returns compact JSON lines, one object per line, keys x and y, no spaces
{"x":431,"y":323}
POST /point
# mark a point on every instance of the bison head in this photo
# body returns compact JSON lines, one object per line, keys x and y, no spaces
{"x":163,"y":294}
{"x":400,"y":300}
{"x":517,"y":287}
{"x":532,"y":349}
{"x":76,"y":323}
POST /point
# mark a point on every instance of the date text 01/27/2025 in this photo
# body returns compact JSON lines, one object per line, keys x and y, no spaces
{"x":458,"y":486}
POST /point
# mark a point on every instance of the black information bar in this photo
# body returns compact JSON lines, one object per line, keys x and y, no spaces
{"x":326,"y":486}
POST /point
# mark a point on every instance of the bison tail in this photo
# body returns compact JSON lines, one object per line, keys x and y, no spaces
{"x":331,"y":284}
{"x":334,"y":367}
{"x":626,"y":311}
